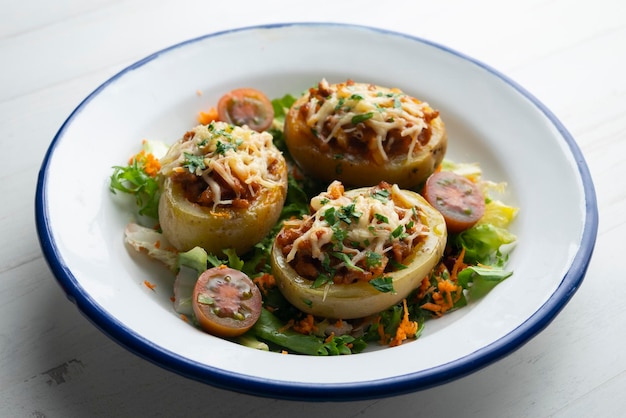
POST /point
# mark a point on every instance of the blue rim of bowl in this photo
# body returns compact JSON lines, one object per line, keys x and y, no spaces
{"x":332,"y":392}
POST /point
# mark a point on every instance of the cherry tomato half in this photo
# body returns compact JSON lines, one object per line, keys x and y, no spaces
{"x":226,"y":302}
{"x":246,"y":106}
{"x":459,"y":200}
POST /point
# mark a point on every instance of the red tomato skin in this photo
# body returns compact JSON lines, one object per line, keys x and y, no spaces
{"x":246,"y":106}
{"x":460,"y":201}
{"x":231,"y":291}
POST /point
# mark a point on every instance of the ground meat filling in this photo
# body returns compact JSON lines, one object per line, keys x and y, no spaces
{"x":311,"y":267}
{"x":196,"y":190}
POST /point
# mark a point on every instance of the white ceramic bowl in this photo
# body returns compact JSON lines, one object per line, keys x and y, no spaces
{"x":490,"y":120}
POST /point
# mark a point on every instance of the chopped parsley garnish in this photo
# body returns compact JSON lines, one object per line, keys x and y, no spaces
{"x":383,"y":284}
{"x":396,"y":265}
{"x":193,"y":162}
{"x":382,"y":195}
{"x":326,"y":265}
{"x":339,"y":234}
{"x":356,"y":119}
{"x":348,"y":213}
{"x":334,"y":217}
{"x":347,"y":261}
{"x":373,"y":259}
{"x":381,"y":218}
{"x":329,"y":216}
{"x":321,"y":280}
{"x":222,"y":147}
{"x":398,"y":232}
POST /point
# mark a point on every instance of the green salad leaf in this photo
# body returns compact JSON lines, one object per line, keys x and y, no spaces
{"x":269,"y":328}
{"x":140,"y":178}
{"x":483,"y":244}
{"x":480,"y":280}
{"x":134,"y":180}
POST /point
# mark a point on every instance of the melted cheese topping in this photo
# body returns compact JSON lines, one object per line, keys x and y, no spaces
{"x":358,"y":226}
{"x":339,"y":110}
{"x":240,"y":156}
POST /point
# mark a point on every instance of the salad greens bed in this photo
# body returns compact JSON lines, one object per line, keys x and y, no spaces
{"x":473,"y":263}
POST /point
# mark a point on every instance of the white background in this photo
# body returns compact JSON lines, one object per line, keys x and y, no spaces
{"x":570,"y":55}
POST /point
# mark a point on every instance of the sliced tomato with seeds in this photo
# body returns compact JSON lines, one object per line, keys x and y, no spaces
{"x":246,"y":106}
{"x":460,"y":201}
{"x":226,"y":302}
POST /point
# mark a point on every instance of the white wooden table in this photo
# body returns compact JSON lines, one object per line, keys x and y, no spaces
{"x":570,"y":54}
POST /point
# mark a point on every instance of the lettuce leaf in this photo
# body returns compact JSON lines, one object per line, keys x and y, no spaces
{"x":483,"y":244}
{"x":271,"y":329}
{"x":480,"y":280}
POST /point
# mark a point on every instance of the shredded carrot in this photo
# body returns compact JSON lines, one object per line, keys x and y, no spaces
{"x":329,"y":338}
{"x":431,"y":307}
{"x":446,"y":288}
{"x":173,"y":299}
{"x":204,"y":118}
{"x":265,"y":282}
{"x":306,"y":325}
{"x":458,"y":265}
{"x":424,"y":286}
{"x":157,"y":244}
{"x":184,"y":317}
{"x":149,"y":285}
{"x":148,"y":161}
{"x":447,"y":294}
{"x":152,"y":165}
{"x":406,"y":328}
{"x":284,"y":352}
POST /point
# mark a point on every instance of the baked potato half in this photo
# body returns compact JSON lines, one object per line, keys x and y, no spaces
{"x":362,"y":134}
{"x":422,"y":228}
{"x":223,"y":187}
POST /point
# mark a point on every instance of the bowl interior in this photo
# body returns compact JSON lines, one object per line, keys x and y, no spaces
{"x":489,"y":119}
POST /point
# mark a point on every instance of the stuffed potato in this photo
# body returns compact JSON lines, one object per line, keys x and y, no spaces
{"x":361,"y":134}
{"x":359,"y":253}
{"x":223,"y":187}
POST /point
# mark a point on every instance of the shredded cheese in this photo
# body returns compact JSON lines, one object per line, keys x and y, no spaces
{"x":347,"y":110}
{"x":376,"y":220}
{"x":240,"y":156}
